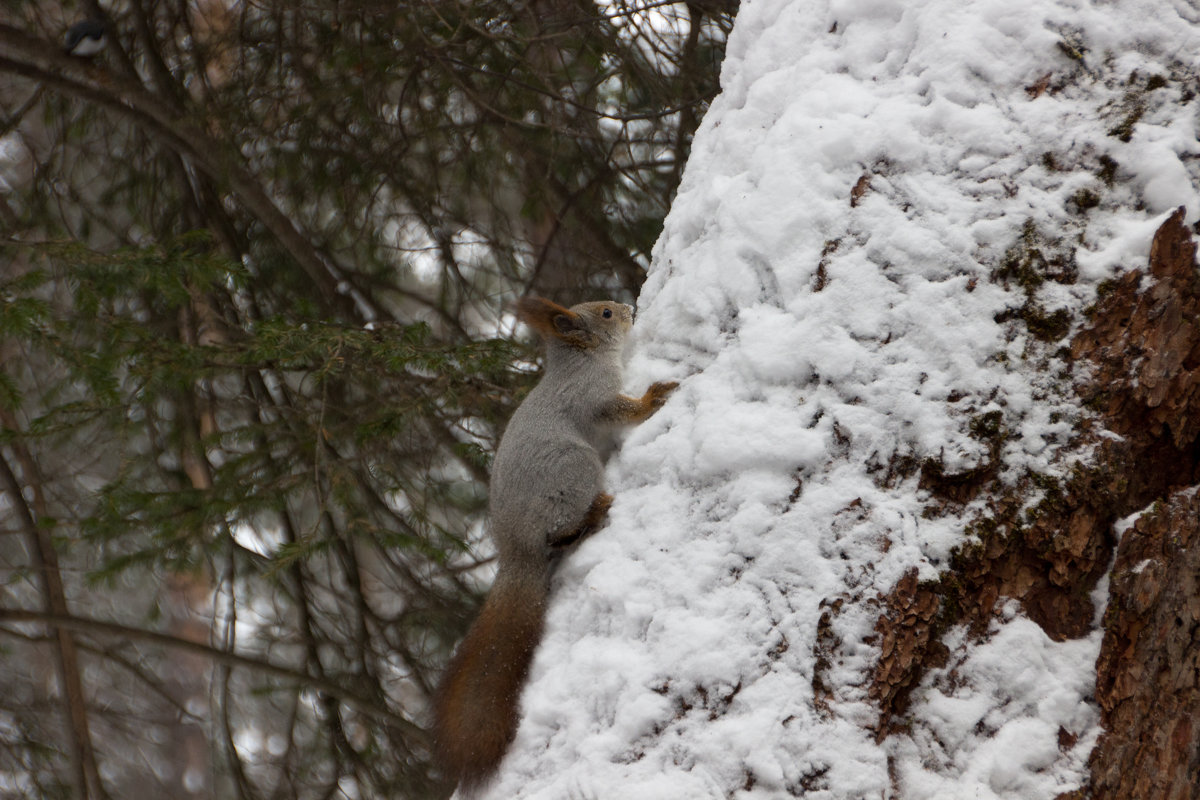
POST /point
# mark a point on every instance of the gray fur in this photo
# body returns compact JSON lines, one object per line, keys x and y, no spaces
{"x":548,"y":468}
{"x":547,"y":491}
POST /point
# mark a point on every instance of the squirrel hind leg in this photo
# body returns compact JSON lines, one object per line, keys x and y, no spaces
{"x":592,"y":520}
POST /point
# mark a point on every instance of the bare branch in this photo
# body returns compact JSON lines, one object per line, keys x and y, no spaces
{"x":225,"y":658}
{"x":87,"y":777}
{"x":43,"y":62}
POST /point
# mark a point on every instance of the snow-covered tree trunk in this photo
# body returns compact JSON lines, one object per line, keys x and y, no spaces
{"x":938,"y":413}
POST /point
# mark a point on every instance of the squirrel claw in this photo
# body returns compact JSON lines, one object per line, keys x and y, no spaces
{"x":660,"y":391}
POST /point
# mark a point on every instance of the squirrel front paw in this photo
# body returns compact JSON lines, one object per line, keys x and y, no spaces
{"x":628,"y":410}
{"x":658,"y":392}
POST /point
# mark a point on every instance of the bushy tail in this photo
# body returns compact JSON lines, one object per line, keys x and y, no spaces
{"x":476,"y":709}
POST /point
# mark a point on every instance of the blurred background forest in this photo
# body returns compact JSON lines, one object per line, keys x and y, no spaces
{"x":255,"y":261}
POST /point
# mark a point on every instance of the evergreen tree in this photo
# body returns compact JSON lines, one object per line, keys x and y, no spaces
{"x":253,"y":281}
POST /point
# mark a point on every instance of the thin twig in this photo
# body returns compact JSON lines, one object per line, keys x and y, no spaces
{"x":366,"y":707}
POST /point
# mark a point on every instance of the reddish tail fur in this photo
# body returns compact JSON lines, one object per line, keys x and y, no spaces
{"x":476,"y":712}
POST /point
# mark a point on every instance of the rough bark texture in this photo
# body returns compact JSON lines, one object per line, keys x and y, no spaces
{"x":1148,"y":674}
{"x":1146,"y":345}
{"x":1140,"y":359}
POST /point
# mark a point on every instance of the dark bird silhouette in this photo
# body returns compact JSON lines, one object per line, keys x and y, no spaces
{"x":85,"y":38}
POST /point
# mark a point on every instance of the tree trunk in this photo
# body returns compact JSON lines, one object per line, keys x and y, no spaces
{"x":1146,"y":345}
{"x":921,"y":519}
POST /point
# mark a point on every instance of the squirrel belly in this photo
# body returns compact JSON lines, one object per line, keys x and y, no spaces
{"x":477,"y":706}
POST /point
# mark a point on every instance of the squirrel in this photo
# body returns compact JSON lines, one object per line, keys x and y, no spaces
{"x":546,"y":493}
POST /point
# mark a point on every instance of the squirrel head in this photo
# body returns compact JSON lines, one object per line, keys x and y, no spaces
{"x":585,"y":326}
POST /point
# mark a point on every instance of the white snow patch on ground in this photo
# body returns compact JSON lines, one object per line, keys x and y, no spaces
{"x":820,"y":345}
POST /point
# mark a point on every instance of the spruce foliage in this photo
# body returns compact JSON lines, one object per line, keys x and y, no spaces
{"x":255,"y":354}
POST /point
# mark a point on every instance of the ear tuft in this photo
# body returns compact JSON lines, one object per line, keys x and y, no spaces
{"x":565,"y":324}
{"x":549,"y":319}
{"x":571,"y":329}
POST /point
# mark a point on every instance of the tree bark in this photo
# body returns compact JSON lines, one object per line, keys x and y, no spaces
{"x":1148,"y":674}
{"x":1146,"y":345}
{"x":1144,"y":350}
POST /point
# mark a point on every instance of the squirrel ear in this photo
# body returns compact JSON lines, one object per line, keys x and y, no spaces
{"x":565,"y":324}
{"x":551,"y":320}
{"x":570,"y":328}
{"x":545,"y":317}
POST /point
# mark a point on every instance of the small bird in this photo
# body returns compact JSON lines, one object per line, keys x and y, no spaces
{"x":85,"y":38}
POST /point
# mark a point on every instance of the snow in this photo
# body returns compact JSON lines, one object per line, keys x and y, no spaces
{"x":820,"y":343}
{"x":991,"y":719}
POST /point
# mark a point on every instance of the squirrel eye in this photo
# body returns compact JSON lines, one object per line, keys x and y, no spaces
{"x":607,"y":313}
